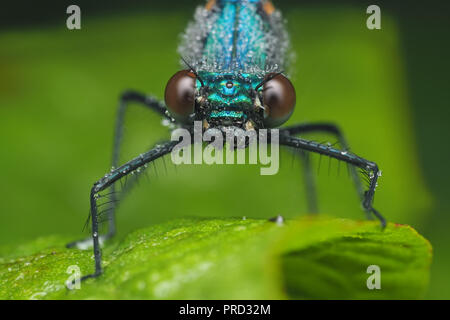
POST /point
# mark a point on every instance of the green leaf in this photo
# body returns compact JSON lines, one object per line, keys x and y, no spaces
{"x":229,"y":259}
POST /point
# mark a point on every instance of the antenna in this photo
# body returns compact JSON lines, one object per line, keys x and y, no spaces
{"x":267,"y":80}
{"x":193,"y":71}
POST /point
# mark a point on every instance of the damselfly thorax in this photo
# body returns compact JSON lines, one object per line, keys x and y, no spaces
{"x":235,"y":53}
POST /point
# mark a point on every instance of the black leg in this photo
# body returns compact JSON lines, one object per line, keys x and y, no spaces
{"x":107,"y":181}
{"x":343,"y":155}
{"x":311,"y":193}
{"x":334,"y":130}
{"x":127,"y":97}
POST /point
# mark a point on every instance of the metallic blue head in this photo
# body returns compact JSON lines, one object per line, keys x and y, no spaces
{"x":225,"y":99}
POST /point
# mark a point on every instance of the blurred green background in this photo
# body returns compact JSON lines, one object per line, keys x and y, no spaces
{"x":387,"y":89}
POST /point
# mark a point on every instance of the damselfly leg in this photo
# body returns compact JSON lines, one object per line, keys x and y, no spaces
{"x":342,"y":155}
{"x":126,"y":98}
{"x":109,"y":180}
{"x":310,"y":183}
{"x":334,"y":130}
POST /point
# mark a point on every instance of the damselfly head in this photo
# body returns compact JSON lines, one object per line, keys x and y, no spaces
{"x":230,"y":99}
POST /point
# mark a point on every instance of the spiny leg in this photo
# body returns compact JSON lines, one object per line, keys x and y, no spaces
{"x":342,"y":155}
{"x":108,"y":180}
{"x":311,"y":193}
{"x":127,"y":97}
{"x":334,"y":130}
{"x":145,"y":101}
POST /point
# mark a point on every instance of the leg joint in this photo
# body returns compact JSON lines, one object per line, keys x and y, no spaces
{"x":128,"y":95}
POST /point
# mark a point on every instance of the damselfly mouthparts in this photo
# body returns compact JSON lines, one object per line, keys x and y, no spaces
{"x":234,"y":54}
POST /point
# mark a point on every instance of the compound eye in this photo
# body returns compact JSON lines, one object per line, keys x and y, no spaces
{"x":279,"y":100}
{"x":180,"y":94}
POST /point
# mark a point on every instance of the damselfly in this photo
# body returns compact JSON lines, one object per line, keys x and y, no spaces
{"x":234,"y":54}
